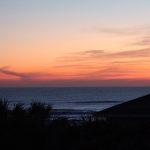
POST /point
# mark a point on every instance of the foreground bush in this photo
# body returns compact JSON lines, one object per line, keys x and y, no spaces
{"x":29,"y":128}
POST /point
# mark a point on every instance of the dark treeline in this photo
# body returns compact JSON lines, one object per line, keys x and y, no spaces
{"x":33,"y":127}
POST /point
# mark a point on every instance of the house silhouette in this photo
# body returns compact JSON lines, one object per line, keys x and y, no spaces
{"x":137,"y":108}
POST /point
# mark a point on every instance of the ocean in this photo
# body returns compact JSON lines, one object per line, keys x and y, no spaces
{"x":74,"y":99}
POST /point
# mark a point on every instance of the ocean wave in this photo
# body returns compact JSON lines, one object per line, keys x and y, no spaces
{"x":96,"y":102}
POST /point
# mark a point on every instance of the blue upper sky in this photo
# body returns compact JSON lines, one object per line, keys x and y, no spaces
{"x":105,"y":12}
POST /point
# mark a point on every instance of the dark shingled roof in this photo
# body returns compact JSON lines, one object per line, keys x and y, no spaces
{"x":139,"y":107}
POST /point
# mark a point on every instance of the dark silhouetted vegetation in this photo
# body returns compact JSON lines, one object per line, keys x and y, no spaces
{"x":24,"y":128}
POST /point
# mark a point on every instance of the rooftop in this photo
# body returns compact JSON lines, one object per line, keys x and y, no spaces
{"x":139,"y":107}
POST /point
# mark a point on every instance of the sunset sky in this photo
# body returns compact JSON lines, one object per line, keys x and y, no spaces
{"x":74,"y":43}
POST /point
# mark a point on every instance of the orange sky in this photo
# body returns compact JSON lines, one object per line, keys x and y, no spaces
{"x":48,"y":45}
